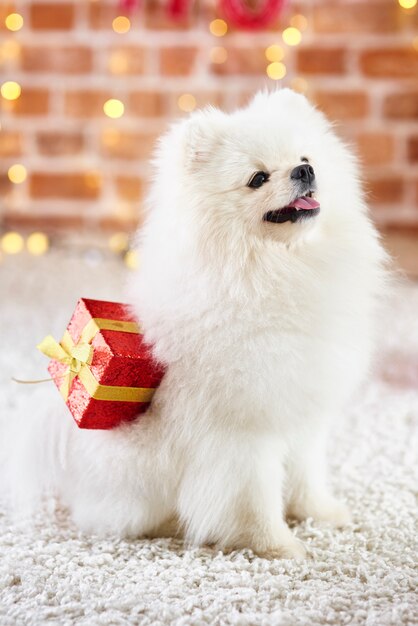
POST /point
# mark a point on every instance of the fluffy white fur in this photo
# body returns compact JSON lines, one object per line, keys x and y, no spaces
{"x":266,"y":330}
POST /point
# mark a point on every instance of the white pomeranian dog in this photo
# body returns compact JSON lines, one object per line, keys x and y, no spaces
{"x":259,"y":275}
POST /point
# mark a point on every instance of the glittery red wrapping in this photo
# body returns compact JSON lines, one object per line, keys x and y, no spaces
{"x":119,"y":358}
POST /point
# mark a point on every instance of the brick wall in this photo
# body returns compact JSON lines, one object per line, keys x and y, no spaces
{"x":357,"y":60}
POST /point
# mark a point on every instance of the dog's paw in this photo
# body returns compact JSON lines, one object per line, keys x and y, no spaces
{"x":323,"y":509}
{"x":290,"y":550}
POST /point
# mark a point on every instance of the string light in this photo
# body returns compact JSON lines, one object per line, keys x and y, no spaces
{"x":121,"y":24}
{"x":37,"y":244}
{"x":274,"y":53}
{"x":131,"y":259}
{"x":292,"y":36}
{"x":218,"y":54}
{"x":118,"y":242}
{"x":299,"y":84}
{"x":299,"y":21}
{"x":14,"y":21}
{"x":114,"y":108}
{"x":12,"y":243}
{"x":10,"y":90}
{"x":276,"y":70}
{"x":17,"y":173}
{"x":218,"y":27}
{"x":187,"y":102}
{"x":407,"y":4}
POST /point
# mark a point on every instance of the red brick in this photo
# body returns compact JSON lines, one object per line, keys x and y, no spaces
{"x":68,"y":186}
{"x":56,"y":143}
{"x":46,"y":223}
{"x":314,"y":60}
{"x":147,"y":103}
{"x":390,"y":63}
{"x":129,"y":188}
{"x":178,"y":61}
{"x":102,"y":13}
{"x":5,"y":9}
{"x":242,"y":61}
{"x":375,"y":148}
{"x":342,"y":105}
{"x":156,"y":17}
{"x":10,"y":143}
{"x":32,"y":102}
{"x":203,"y":98}
{"x":127,"y":59}
{"x":402,"y":105}
{"x":112,"y":223}
{"x":86,"y":103}
{"x":130,"y":146}
{"x":413,"y":149}
{"x":51,"y":16}
{"x":68,"y":60}
{"x":374,"y":16}
{"x":386,"y":189}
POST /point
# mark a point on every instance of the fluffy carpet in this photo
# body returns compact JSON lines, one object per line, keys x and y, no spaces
{"x":365,"y":574}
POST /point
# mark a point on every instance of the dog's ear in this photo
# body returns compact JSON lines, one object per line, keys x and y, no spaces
{"x":204,"y":134}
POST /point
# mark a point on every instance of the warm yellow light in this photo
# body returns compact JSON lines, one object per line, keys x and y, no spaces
{"x":118,"y":62}
{"x":218,"y":27}
{"x":37,"y":243}
{"x":187,"y":102}
{"x":299,"y":84}
{"x":10,"y":90}
{"x":274,"y":53}
{"x":17,"y":173}
{"x":118,"y":242}
{"x":299,"y":21}
{"x":121,"y":24}
{"x":114,"y":108}
{"x":276,"y":70}
{"x":407,"y":4}
{"x":292,"y":36}
{"x":12,"y":243}
{"x":131,"y":259}
{"x":218,"y":54}
{"x":14,"y":21}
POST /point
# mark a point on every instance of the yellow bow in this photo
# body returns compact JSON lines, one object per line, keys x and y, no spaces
{"x":74,"y":357}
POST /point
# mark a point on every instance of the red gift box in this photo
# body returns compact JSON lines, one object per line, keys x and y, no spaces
{"x":102,"y":367}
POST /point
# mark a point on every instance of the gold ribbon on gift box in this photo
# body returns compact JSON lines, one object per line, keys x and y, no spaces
{"x":78,"y":357}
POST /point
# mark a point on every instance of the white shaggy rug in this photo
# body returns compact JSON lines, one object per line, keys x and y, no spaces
{"x":52,"y":574}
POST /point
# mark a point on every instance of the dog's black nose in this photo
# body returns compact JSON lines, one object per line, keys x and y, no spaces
{"x":304,"y":173}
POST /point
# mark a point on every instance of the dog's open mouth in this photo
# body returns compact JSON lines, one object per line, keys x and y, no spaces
{"x":301,"y":208}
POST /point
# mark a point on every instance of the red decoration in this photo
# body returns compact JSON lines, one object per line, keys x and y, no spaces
{"x":120,"y":368}
{"x":238,"y":13}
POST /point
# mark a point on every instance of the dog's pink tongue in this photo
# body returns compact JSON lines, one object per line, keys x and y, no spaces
{"x":304,"y":203}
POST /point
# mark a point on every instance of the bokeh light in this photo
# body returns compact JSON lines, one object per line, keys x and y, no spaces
{"x":218,"y":27}
{"x":292,"y":36}
{"x":9,"y":49}
{"x":37,"y":243}
{"x":407,"y":4}
{"x":12,"y":243}
{"x":114,"y":108}
{"x":299,"y":21}
{"x":218,"y":54}
{"x":276,"y":70}
{"x":17,"y":173}
{"x":299,"y":84}
{"x":121,"y":24}
{"x":10,"y":90}
{"x":274,"y":53}
{"x":186,"y":102}
{"x":93,"y":179}
{"x":131,"y":259}
{"x":118,"y":242}
{"x":14,"y":21}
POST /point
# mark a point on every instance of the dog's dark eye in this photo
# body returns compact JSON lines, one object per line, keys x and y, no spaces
{"x":258,"y":179}
{"x":304,"y":159}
